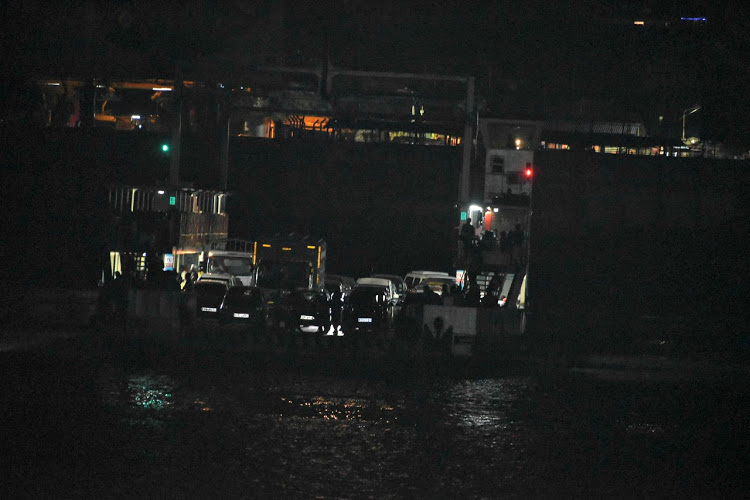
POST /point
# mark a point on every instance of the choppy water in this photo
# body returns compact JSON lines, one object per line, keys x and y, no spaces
{"x":222,"y":424}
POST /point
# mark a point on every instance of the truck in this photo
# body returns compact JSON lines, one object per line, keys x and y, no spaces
{"x":289,"y":262}
{"x":231,"y":256}
{"x":284,"y":266}
{"x":225,"y":256}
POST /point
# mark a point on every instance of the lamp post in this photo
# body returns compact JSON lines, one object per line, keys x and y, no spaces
{"x":685,"y":113}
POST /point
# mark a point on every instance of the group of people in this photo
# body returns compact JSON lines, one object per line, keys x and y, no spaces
{"x":510,"y":243}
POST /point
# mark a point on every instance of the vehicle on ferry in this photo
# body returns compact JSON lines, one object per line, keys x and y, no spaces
{"x":244,"y":305}
{"x":368,"y":309}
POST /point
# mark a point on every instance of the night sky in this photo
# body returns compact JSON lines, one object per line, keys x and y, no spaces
{"x":583,"y":60}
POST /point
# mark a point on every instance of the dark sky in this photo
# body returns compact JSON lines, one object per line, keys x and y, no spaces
{"x":581,"y":60}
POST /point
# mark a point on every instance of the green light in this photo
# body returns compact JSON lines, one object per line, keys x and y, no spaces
{"x":165,"y":147}
{"x":173,"y":200}
{"x":463,"y":216}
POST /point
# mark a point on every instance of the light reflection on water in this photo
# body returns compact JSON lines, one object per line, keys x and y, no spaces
{"x":337,"y":408}
{"x":154,"y":394}
{"x":150,"y":392}
{"x":484,"y":402}
{"x":296,"y":434}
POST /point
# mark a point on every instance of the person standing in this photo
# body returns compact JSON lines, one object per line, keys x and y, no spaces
{"x":516,"y":238}
{"x":337,"y":303}
{"x":467,"y":238}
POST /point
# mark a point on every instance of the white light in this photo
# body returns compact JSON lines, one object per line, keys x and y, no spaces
{"x":306,"y":317}
{"x":496,"y":210}
{"x":475,"y":208}
{"x":208,"y":309}
{"x":241,"y":315}
{"x":162,"y":89}
{"x":135,"y":117}
{"x":161,"y":191}
{"x":56,"y":84}
{"x":364,"y":320}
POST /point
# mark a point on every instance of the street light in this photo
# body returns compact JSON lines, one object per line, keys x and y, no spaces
{"x":685,"y":113}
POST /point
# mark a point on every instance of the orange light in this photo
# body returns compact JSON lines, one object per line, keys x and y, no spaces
{"x":308,"y":122}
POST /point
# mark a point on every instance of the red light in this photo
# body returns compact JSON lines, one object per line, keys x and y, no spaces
{"x":528,"y":172}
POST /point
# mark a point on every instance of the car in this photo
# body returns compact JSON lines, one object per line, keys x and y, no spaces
{"x":382,"y":282}
{"x":436,"y":283}
{"x":308,"y":311}
{"x":398,"y":283}
{"x":209,"y":295}
{"x":229,"y":279}
{"x":415,"y":278}
{"x":368,"y":308}
{"x":244,"y":305}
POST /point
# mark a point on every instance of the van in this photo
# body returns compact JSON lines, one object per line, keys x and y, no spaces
{"x":415,"y":278}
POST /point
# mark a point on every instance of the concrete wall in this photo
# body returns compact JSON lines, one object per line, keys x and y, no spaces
{"x":49,"y":308}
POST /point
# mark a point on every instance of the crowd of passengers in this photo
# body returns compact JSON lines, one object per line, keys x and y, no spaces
{"x":511,"y":244}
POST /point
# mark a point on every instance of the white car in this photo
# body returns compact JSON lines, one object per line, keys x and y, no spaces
{"x":416,"y":278}
{"x":398,"y":283}
{"x":224,"y":278}
{"x":384,"y":282}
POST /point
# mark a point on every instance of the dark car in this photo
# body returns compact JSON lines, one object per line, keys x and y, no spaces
{"x":308,"y":311}
{"x":208,"y":297}
{"x":244,"y":305}
{"x":368,"y":308}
